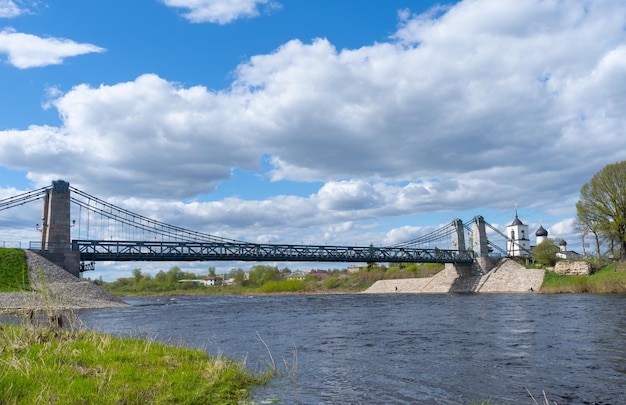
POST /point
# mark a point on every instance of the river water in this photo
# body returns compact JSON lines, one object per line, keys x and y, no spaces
{"x":401,"y":349}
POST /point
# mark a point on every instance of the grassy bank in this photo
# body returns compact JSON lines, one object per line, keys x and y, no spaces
{"x":59,"y":366}
{"x":13,"y":270}
{"x":609,"y":279}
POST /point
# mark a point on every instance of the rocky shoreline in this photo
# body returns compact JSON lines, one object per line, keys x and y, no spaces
{"x":55,"y":288}
{"x":506,"y":277}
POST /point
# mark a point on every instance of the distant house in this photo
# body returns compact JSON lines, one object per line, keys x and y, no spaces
{"x":296,"y":275}
{"x":212,"y":281}
{"x":355,"y":268}
{"x":206,"y":281}
{"x":319,"y":274}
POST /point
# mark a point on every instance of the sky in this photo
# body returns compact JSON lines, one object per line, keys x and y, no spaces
{"x":312,"y":121}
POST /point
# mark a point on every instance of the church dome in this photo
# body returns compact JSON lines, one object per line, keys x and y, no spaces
{"x":541,"y":231}
{"x":516,"y":221}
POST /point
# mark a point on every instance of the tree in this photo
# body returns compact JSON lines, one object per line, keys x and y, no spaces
{"x":601,"y":209}
{"x":261,"y":274}
{"x":137,"y":275}
{"x":545,"y":252}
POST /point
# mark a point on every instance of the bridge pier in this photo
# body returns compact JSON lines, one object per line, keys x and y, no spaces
{"x":55,"y":228}
{"x":458,"y":237}
{"x":481,"y":246}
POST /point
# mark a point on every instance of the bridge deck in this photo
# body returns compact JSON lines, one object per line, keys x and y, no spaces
{"x":101,"y":250}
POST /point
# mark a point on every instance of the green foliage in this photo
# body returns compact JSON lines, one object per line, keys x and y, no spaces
{"x":58,"y":366}
{"x":162,"y":282}
{"x":268,"y":279}
{"x":13,"y":270}
{"x":261,"y":274}
{"x":545,"y":253}
{"x":601,"y":209}
{"x":288,"y":285}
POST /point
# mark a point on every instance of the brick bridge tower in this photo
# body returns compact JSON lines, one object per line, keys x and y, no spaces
{"x":55,"y":228}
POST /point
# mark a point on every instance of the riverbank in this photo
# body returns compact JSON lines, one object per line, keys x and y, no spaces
{"x":54,"y":288}
{"x":61,"y":366}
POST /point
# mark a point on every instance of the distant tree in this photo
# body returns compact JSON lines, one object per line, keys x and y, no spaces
{"x":601,"y":209}
{"x":137,"y":275}
{"x":545,"y":252}
{"x":240,"y":277}
{"x":174,"y":274}
{"x":211,"y":271}
{"x":261,"y":274}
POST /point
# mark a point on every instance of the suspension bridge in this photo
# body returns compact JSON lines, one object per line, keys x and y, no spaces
{"x":107,"y":232}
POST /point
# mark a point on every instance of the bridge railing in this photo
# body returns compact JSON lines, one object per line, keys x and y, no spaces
{"x":32,"y":245}
{"x":11,"y":244}
{"x":99,"y":250}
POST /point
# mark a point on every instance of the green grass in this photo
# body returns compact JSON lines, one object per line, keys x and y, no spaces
{"x":609,"y":279}
{"x":288,"y":285}
{"x":59,"y":366}
{"x":13,"y":270}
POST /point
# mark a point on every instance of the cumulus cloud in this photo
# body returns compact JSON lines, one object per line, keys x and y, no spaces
{"x":480,"y":104}
{"x":27,"y":51}
{"x":9,"y":9}
{"x":219,"y":11}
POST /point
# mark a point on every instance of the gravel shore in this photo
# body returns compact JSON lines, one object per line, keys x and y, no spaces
{"x":56,"y":288}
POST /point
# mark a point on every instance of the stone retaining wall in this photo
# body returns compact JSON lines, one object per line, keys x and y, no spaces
{"x":573,"y":267}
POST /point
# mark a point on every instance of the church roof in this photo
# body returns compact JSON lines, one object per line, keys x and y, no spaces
{"x":541,"y":231}
{"x":516,"y":221}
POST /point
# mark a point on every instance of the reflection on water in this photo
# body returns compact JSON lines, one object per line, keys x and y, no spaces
{"x":402,"y":349}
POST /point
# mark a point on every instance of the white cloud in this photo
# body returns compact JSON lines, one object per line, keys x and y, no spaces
{"x":8,"y":9}
{"x":484,"y":104}
{"x":219,"y":11}
{"x":27,"y":51}
{"x":563,"y":229}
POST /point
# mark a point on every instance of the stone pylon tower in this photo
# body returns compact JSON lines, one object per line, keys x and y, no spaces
{"x":55,"y":222}
{"x":458,"y":237}
{"x":55,"y":228}
{"x":480,"y":243}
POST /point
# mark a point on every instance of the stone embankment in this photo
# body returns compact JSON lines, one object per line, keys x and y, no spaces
{"x":506,"y":277}
{"x":53,"y":287}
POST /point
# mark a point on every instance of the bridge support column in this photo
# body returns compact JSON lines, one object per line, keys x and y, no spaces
{"x":55,"y":228}
{"x":458,"y":237}
{"x":481,"y":245}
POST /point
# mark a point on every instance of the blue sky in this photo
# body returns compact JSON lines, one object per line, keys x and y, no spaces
{"x":315,"y":121}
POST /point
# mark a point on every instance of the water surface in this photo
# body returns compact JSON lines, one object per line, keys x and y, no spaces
{"x":402,"y":349}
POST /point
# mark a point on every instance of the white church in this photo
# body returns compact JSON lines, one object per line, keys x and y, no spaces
{"x":518,"y":242}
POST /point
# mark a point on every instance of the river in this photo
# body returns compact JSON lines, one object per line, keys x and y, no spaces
{"x":401,"y":349}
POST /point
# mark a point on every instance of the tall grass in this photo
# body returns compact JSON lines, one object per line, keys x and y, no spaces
{"x":13,"y":270}
{"x":60,"y":366}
